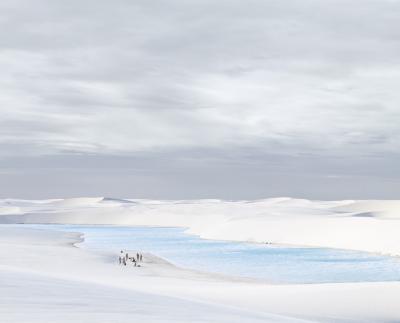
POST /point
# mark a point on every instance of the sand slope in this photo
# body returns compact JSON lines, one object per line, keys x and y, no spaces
{"x":361,"y":225}
{"x":44,"y":278}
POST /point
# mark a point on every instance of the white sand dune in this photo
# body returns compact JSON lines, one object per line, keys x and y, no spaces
{"x":45,"y":278}
{"x":376,"y":208}
{"x":360,"y":225}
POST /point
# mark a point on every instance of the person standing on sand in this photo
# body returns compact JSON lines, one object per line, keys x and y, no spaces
{"x":137,"y":256}
{"x":133,"y":260}
{"x":141,"y":257}
{"x":126,"y":257}
{"x":121,"y":256}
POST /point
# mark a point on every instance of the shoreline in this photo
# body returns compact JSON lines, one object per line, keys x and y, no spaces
{"x":274,"y":244}
{"x":207,"y":272}
{"x":83,"y":272}
{"x":287,"y":222}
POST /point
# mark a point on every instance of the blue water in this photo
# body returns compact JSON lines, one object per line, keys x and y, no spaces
{"x":276,"y":264}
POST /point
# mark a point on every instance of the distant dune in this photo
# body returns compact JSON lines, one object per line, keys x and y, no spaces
{"x":377,"y":208}
{"x":361,"y":225}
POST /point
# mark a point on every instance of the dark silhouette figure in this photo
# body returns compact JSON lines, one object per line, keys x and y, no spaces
{"x":133,"y":260}
{"x":121,"y":257}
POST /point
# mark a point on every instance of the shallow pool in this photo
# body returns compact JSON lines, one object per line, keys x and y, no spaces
{"x":277,"y":264}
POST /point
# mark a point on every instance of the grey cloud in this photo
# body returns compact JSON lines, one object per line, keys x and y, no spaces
{"x":197,"y":175}
{"x":248,"y":82}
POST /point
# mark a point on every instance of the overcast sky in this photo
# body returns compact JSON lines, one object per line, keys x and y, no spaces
{"x":200,"y":98}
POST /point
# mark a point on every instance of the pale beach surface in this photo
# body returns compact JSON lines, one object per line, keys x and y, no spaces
{"x":47,"y":277}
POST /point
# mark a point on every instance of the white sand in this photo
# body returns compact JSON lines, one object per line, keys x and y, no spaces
{"x":360,"y":225}
{"x":44,"y":278}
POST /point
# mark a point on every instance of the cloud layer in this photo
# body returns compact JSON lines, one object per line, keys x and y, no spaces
{"x":194,"y":80}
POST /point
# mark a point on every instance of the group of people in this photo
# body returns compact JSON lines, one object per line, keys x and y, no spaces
{"x":124,"y":258}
